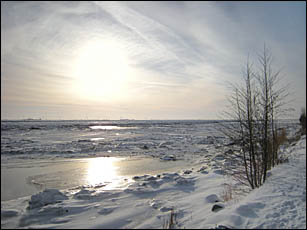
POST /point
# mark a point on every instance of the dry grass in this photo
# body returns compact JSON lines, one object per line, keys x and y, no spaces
{"x":233,"y":192}
{"x":227,"y":193}
{"x":281,"y":137}
{"x":273,"y":147}
{"x":171,"y":223}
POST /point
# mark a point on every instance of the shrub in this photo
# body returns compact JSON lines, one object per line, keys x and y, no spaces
{"x":280,"y":137}
{"x":303,"y":122}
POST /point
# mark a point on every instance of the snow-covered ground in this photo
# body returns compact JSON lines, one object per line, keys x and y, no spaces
{"x":149,"y":200}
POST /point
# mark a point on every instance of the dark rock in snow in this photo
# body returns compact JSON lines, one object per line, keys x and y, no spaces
{"x":217,"y":207}
{"x":187,"y":171}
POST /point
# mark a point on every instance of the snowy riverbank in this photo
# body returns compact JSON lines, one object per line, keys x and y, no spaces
{"x":148,"y":201}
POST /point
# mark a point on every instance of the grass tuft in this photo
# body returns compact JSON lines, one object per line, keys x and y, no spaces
{"x":227,"y":193}
{"x":171,"y":223}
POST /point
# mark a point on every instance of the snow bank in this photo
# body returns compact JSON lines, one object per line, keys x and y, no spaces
{"x":48,"y":196}
{"x":279,"y":203}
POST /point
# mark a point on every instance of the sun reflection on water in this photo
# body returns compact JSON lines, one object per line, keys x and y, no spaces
{"x":104,"y":171}
{"x":97,"y":139}
{"x":105,"y":127}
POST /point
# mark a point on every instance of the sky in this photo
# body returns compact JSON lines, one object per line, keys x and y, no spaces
{"x":142,"y":60}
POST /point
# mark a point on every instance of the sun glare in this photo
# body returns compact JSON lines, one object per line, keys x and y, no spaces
{"x":104,"y":172}
{"x":100,"y":70}
{"x":101,"y":170}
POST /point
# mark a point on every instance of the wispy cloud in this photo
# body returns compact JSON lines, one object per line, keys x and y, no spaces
{"x":172,"y":48}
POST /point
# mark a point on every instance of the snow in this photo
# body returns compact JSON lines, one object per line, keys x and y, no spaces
{"x":191,"y":193}
{"x":48,"y":196}
{"x":279,"y":203}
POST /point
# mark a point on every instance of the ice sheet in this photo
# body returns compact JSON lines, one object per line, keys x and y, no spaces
{"x":23,"y":179}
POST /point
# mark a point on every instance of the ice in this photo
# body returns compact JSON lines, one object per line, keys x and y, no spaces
{"x":73,"y":139}
{"x":83,"y":194}
{"x":168,"y":158}
{"x":48,"y":196}
{"x":8,"y":213}
{"x":149,"y":198}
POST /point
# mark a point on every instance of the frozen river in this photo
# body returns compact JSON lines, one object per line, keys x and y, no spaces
{"x":64,"y":154}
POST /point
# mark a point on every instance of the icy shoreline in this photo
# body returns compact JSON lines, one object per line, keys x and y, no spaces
{"x":19,"y":179}
{"x":148,"y":201}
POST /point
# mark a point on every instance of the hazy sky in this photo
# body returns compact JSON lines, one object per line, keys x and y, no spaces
{"x":141,"y":60}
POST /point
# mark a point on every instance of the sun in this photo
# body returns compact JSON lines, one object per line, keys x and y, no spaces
{"x":100,"y":70}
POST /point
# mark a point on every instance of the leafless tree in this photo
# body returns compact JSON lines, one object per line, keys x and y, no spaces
{"x":273,"y":104}
{"x":254,"y":108}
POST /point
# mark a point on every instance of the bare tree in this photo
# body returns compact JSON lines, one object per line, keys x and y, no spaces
{"x":243,"y":131}
{"x":255,"y":106}
{"x":273,"y":101}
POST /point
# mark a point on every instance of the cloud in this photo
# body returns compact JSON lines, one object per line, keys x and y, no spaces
{"x":172,"y":48}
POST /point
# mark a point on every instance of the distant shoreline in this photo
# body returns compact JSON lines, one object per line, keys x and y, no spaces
{"x":122,"y":120}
